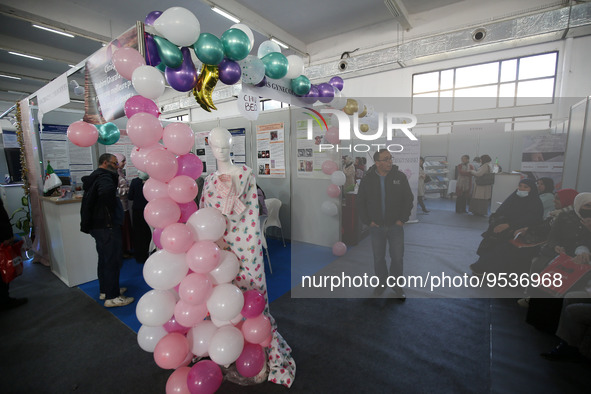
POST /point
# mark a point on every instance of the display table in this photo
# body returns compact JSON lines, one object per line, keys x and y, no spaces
{"x":72,"y":253}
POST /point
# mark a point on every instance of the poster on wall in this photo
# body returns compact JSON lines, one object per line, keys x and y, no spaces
{"x":204,"y":152}
{"x":271,"y":150}
{"x":309,"y":156}
{"x":543,"y":156}
{"x":54,"y":147}
{"x":124,"y":147}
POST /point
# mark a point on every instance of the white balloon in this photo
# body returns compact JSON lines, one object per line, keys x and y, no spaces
{"x":339,"y":101}
{"x":200,"y":336}
{"x":245,"y":29}
{"x":295,"y":67}
{"x":267,"y":47}
{"x":164,"y":270}
{"x":148,"y":337}
{"x":226,"y":345}
{"x":148,"y":82}
{"x":329,"y":208}
{"x":227,"y":270}
{"x":338,"y":178}
{"x":208,"y":224}
{"x":155,"y":308}
{"x":179,"y":26}
{"x":220,"y":323}
{"x":225,"y":302}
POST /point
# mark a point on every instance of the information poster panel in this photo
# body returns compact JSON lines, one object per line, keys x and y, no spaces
{"x":271,"y":150}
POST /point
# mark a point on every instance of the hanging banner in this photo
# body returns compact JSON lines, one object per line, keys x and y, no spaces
{"x":54,"y":94}
{"x":271,"y":150}
{"x":105,"y":90}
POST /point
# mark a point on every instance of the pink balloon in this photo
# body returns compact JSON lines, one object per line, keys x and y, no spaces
{"x":126,"y":60}
{"x":205,"y":377}
{"x":137,"y":104}
{"x":203,"y":256}
{"x":178,"y":138}
{"x":329,"y":166}
{"x":176,"y":238}
{"x":256,"y":329}
{"x":162,"y":212}
{"x":332,"y":135}
{"x":154,"y":189}
{"x":144,"y":129}
{"x":187,"y":210}
{"x":189,"y":315}
{"x":173,"y":326}
{"x":182,"y":189}
{"x":254,"y":304}
{"x":156,"y":235}
{"x":177,"y":381}
{"x":267,"y":341}
{"x":138,"y":155}
{"x":339,"y":249}
{"x":332,"y":190}
{"x":251,"y":360}
{"x":82,"y":134}
{"x":196,"y":288}
{"x":190,"y":165}
{"x":171,"y":351}
{"x":161,"y":164}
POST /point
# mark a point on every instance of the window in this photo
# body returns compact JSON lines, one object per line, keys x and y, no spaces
{"x":268,"y":105}
{"x":527,"y":80}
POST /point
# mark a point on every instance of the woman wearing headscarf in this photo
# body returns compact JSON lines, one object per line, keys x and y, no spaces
{"x":521,"y":209}
{"x":122,"y":192}
{"x":464,"y":184}
{"x":480,"y":200}
{"x":546,"y":192}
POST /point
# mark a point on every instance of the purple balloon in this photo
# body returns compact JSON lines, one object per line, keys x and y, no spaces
{"x":152,"y":56}
{"x":189,"y":165}
{"x":337,"y":82}
{"x":230,"y":71}
{"x":174,"y":326}
{"x":312,"y":95}
{"x":204,"y":377}
{"x":184,"y":78}
{"x":254,"y":304}
{"x":325,"y":92}
{"x":151,"y":17}
{"x":187,"y":209}
{"x":262,"y":83}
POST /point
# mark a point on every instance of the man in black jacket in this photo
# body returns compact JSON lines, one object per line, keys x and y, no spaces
{"x":102,"y":217}
{"x":385,"y":202}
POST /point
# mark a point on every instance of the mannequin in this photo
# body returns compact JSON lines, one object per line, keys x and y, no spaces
{"x":232,"y":190}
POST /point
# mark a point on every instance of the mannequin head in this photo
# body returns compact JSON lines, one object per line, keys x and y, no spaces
{"x":220,"y":141}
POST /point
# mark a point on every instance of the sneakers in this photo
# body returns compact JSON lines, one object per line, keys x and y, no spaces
{"x":119,"y":301}
{"x":122,"y":290}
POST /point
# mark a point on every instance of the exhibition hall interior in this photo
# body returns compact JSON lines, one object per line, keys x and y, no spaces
{"x":243,"y":196}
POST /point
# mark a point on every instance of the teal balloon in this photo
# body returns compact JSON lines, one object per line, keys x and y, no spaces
{"x":108,"y":133}
{"x":301,"y":85}
{"x":276,"y":65}
{"x":236,"y":44}
{"x":161,"y":66}
{"x":169,"y":53}
{"x":209,"y":49}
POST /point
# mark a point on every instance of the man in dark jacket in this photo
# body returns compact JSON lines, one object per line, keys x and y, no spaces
{"x":102,"y":217}
{"x":385,"y":202}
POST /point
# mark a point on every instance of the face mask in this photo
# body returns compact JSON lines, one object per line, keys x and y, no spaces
{"x":522,"y":193}
{"x":585,"y":213}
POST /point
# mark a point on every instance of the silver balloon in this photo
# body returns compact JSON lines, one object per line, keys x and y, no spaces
{"x":253,"y":69}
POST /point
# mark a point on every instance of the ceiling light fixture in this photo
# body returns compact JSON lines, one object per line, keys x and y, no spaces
{"x":27,"y":56}
{"x":8,"y":76}
{"x":16,"y":92}
{"x":225,"y":14}
{"x":280,"y":43}
{"x":63,"y":33}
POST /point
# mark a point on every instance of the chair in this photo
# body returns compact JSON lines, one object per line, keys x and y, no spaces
{"x":264,"y":243}
{"x":272,"y":220}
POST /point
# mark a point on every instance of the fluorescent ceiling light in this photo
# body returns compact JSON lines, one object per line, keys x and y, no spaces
{"x":225,"y":14}
{"x":280,"y":43}
{"x":63,"y":33}
{"x":8,"y":76}
{"x":77,"y":101}
{"x":16,"y":92}
{"x":27,"y":56}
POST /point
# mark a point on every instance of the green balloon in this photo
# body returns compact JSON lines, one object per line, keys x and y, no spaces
{"x":169,"y":53}
{"x":161,"y":66}
{"x":301,"y":85}
{"x":275,"y":65}
{"x":236,"y":44}
{"x":108,"y":133}
{"x":209,"y":49}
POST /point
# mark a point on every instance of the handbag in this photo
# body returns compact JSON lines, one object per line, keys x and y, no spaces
{"x":11,"y":262}
{"x":567,"y":270}
{"x":486,"y":179}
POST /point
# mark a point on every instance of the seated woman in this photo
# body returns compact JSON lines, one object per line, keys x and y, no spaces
{"x":546,"y":192}
{"x":521,"y":209}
